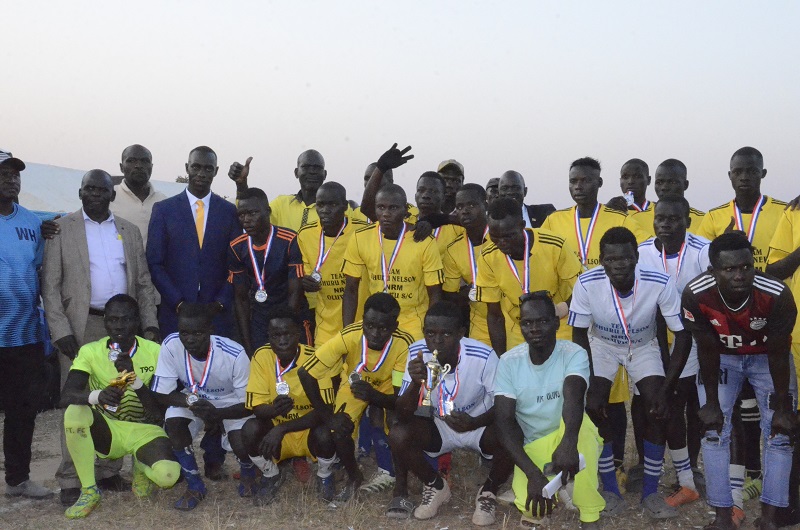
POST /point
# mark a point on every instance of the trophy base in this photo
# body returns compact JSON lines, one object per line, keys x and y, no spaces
{"x":424,"y":411}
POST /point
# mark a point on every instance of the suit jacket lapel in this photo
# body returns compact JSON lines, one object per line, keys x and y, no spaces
{"x":130,"y":259}
{"x":186,"y":216}
{"x":82,"y":243}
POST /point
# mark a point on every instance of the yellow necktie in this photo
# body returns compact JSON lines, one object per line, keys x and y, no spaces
{"x":198,"y":222}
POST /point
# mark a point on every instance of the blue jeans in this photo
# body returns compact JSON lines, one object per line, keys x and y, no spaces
{"x":734,"y":370}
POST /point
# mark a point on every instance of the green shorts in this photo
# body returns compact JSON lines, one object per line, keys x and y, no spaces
{"x":128,"y":437}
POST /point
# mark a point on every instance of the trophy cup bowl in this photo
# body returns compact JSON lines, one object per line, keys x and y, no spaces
{"x":436,"y":373}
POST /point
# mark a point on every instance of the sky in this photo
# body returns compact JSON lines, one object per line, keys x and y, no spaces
{"x":527,"y":85}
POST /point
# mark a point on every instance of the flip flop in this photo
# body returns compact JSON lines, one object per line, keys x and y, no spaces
{"x":400,"y":508}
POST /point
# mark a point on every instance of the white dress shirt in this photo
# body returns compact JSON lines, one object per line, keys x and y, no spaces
{"x":193,"y":205}
{"x":107,"y":271}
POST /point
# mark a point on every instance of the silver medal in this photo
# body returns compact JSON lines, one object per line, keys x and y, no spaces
{"x":473,"y":294}
{"x":191,"y":399}
{"x":282,"y":388}
{"x":448,"y":407}
{"x":113,"y":354}
{"x":629,"y":197}
{"x":261,"y":296}
{"x":354,"y":377}
{"x":316,"y":276}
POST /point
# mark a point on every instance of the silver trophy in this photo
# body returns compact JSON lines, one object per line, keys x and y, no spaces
{"x":436,"y":373}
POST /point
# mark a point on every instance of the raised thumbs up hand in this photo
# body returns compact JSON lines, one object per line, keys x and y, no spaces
{"x":238,"y":172}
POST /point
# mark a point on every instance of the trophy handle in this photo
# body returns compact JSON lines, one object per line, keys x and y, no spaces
{"x":445,"y":370}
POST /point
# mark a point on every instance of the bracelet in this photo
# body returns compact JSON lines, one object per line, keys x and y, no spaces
{"x":94,"y":397}
{"x":137,"y":383}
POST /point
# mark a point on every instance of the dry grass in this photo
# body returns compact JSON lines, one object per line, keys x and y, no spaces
{"x":297,"y":508}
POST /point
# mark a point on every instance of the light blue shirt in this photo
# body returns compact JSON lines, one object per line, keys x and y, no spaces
{"x":539,"y":389}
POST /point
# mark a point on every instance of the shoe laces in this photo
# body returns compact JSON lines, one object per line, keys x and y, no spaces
{"x":428,"y":493}
{"x":86,"y":497}
{"x":486,"y":503}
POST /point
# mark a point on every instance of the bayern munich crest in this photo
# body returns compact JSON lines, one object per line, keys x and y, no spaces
{"x":757,"y":323}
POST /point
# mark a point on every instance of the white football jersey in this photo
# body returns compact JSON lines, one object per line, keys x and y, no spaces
{"x":597,"y":305}
{"x":683,"y":269}
{"x":228,"y":370}
{"x":472,"y":380}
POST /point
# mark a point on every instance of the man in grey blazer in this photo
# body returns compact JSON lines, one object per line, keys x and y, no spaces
{"x":95,"y":257}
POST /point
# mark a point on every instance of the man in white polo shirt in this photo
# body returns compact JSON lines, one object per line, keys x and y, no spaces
{"x":135,"y":195}
{"x":683,"y":256}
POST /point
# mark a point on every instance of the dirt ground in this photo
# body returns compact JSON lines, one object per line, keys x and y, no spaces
{"x":297,"y":507}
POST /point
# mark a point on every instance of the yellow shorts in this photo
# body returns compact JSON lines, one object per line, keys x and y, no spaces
{"x":295,"y":444}
{"x":620,"y":392}
{"x":128,"y":437}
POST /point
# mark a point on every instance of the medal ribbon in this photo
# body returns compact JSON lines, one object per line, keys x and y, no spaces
{"x":681,"y":255}
{"x":260,"y":274}
{"x":385,"y":268}
{"x":322,"y":255}
{"x":451,"y":396}
{"x":473,"y":263}
{"x":131,"y":352}
{"x":193,"y":386}
{"x":737,"y":215}
{"x":645,"y":206}
{"x":585,"y":243}
{"x":279,"y":373}
{"x":621,"y":313}
{"x":526,"y":286}
{"x":363,"y":364}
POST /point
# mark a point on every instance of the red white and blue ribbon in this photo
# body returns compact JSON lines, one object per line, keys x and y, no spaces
{"x":447,"y":395}
{"x":436,"y":233}
{"x":322,"y":255}
{"x":584,"y":243}
{"x":525,"y":282}
{"x":644,"y":207}
{"x":384,"y":353}
{"x":737,"y":215}
{"x":259,"y":274}
{"x":473,"y":263}
{"x":280,"y":373}
{"x":387,"y":267}
{"x":623,"y":320}
{"x":131,"y":352}
{"x":193,"y":385}
{"x":681,"y":255}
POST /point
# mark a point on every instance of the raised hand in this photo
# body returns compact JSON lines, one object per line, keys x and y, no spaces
{"x":394,"y":158}
{"x":238,"y":172}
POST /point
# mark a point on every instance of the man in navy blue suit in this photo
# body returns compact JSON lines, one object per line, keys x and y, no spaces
{"x":187,"y":247}
{"x":187,"y":251}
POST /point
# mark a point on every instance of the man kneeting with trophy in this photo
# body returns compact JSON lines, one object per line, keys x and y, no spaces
{"x":446,"y":403}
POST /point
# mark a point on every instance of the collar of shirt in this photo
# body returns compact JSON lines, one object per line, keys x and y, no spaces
{"x":150,"y":191}
{"x":193,"y":199}
{"x":526,"y":217}
{"x":87,"y":218}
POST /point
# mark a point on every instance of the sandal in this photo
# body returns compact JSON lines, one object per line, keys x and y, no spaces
{"x":400,"y":508}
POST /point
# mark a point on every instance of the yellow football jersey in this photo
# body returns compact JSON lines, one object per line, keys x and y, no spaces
{"x":416,"y":266}
{"x":645,"y":220}
{"x":785,"y":240}
{"x":446,"y":234}
{"x":328,"y":300}
{"x":562,"y":223}
{"x":720,"y":218}
{"x":457,"y":269}
{"x":553,"y":268}
{"x":343,"y":354}
{"x":261,"y":386}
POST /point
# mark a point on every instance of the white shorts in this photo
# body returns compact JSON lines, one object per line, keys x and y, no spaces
{"x":196,"y":424}
{"x":645,"y":361}
{"x":457,"y":440}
